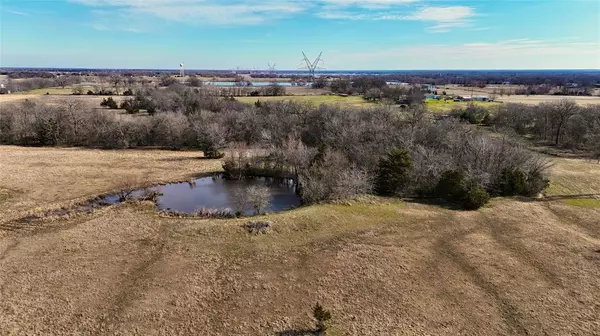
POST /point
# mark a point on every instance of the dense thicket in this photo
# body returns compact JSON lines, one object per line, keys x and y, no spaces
{"x":562,"y":124}
{"x":333,"y":152}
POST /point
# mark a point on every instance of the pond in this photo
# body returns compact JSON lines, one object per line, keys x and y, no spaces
{"x":256,"y":84}
{"x":215,"y":192}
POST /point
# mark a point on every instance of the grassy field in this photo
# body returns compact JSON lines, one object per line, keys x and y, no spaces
{"x":445,"y":106}
{"x":67,"y":90}
{"x":536,"y":99}
{"x":574,"y":176}
{"x":383,"y":267}
{"x":315,"y":100}
{"x":584,"y":202}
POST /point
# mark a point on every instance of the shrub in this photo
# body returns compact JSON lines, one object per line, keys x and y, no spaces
{"x":510,"y":183}
{"x":474,"y":196}
{"x":332,"y":177}
{"x":536,"y":183}
{"x":393,"y":173}
{"x":473,"y":114}
{"x":456,"y":188}
{"x":213,"y":154}
{"x":322,"y":317}
{"x":514,"y":182}
{"x":259,"y":227}
{"x":110,"y":103}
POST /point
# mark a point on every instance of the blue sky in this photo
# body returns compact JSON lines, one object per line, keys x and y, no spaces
{"x":353,"y":34}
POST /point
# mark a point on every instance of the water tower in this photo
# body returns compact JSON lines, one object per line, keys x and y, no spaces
{"x":181,"y":70}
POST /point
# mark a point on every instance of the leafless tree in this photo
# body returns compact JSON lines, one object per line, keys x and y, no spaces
{"x":62,"y":81}
{"x":559,"y":115}
{"x":259,"y":197}
{"x":116,"y":81}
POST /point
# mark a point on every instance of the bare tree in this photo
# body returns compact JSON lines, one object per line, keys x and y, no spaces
{"x":116,"y":81}
{"x":131,"y":81}
{"x":559,"y":114}
{"x":62,"y":81}
{"x":259,"y":197}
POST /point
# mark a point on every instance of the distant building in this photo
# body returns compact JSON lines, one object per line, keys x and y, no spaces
{"x":432,"y":96}
{"x":397,"y":83}
{"x":428,"y":87}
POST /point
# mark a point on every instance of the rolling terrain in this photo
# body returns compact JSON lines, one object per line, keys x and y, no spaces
{"x":382,"y":266}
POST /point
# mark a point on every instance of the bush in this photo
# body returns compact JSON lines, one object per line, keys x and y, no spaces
{"x":473,"y":114}
{"x":513,"y":182}
{"x":474,"y":196}
{"x":536,"y":183}
{"x":332,"y":177}
{"x":393,"y":173}
{"x":259,"y":227}
{"x":322,"y":317}
{"x":110,"y":103}
{"x":213,"y":154}
{"x":510,"y":183}
{"x":456,"y":188}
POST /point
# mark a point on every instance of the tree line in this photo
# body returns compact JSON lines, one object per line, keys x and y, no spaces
{"x":562,"y":124}
{"x":331,"y":151}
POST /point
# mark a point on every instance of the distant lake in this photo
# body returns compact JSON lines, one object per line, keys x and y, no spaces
{"x":255,"y":84}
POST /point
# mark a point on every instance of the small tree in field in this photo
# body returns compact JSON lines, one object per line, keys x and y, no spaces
{"x":322,"y":317}
{"x":259,"y":197}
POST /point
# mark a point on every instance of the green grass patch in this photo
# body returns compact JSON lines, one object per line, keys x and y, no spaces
{"x":314,"y":100}
{"x":584,"y":203}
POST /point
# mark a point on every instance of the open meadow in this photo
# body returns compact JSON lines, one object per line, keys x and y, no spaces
{"x":314,"y":100}
{"x":382,"y":266}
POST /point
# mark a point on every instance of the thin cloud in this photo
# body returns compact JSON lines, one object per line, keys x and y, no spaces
{"x":442,"y":18}
{"x":254,"y":12}
{"x":525,"y":53}
{"x":233,"y":12}
{"x":244,"y":12}
{"x":17,"y":13}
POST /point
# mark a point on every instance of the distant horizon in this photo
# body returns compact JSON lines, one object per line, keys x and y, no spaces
{"x":296,"y":70}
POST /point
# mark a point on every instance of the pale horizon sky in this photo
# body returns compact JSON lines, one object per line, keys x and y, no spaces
{"x":360,"y":35}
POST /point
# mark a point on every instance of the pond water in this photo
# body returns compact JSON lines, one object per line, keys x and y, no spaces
{"x":215,"y":192}
{"x":257,"y":84}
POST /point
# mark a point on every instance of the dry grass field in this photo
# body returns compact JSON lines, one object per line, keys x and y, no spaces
{"x":93,"y":101}
{"x":445,"y":106}
{"x":531,"y":100}
{"x":574,"y":176}
{"x":536,"y":99}
{"x":383,"y":267}
{"x":314,"y":100}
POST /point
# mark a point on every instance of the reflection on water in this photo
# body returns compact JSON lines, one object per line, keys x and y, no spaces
{"x":208,"y":193}
{"x":217,"y":193}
